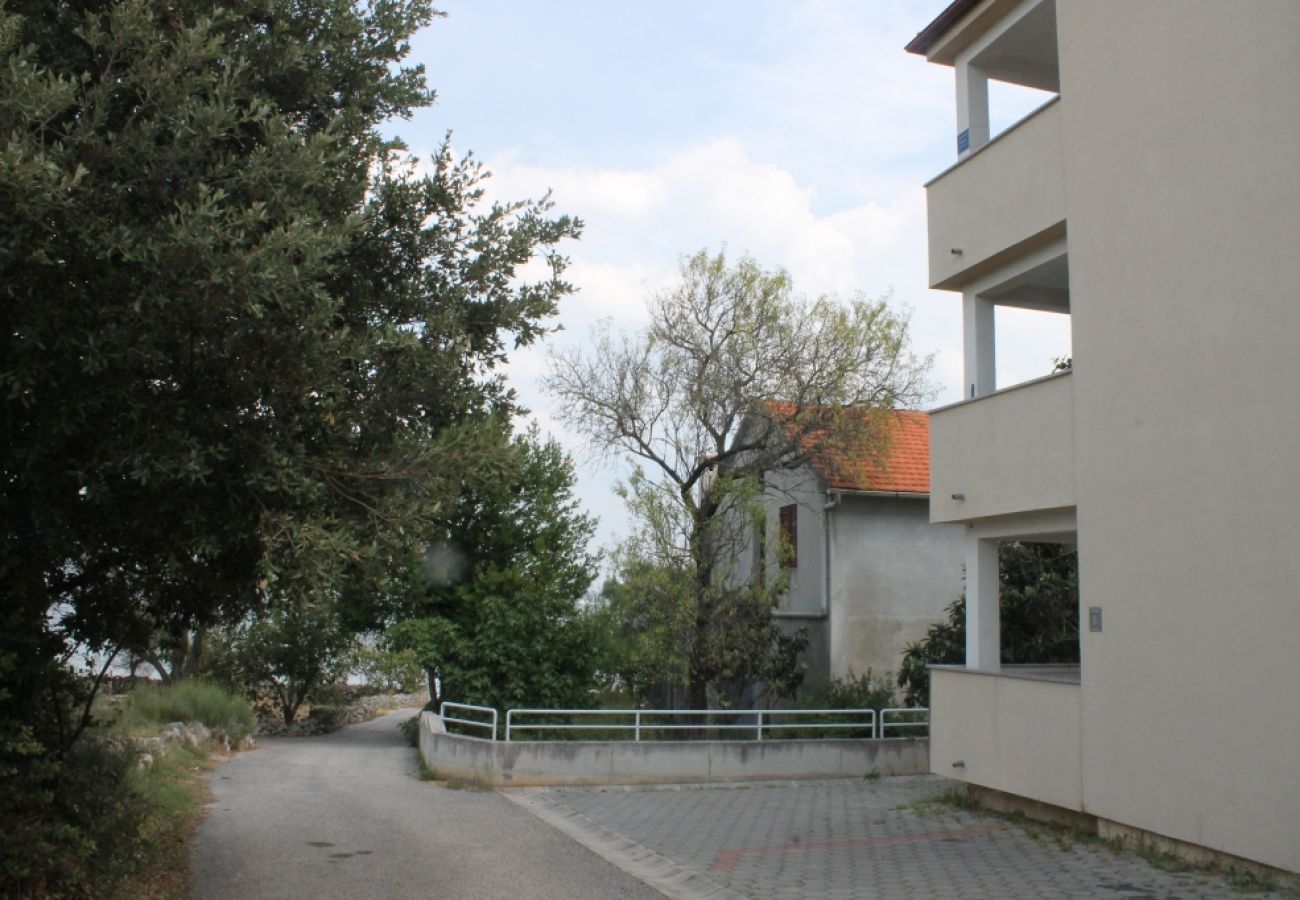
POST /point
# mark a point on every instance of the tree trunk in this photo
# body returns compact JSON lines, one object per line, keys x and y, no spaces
{"x":194,"y":653}
{"x":158,"y":666}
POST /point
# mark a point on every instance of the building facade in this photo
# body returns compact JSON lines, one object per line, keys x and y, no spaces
{"x":1155,"y":200}
{"x":868,"y":572}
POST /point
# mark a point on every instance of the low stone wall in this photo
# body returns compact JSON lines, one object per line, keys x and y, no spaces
{"x":535,"y":763}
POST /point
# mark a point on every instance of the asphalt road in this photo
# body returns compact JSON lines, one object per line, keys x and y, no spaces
{"x":345,"y":815}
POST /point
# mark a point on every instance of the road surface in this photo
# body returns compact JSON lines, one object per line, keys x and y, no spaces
{"x":345,"y":815}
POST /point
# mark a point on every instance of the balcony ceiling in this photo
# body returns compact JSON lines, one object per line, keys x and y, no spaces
{"x":1026,"y":53}
{"x":1045,"y":287}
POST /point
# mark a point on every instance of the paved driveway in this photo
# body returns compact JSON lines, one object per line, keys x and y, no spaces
{"x":346,"y":816}
{"x":870,"y":839}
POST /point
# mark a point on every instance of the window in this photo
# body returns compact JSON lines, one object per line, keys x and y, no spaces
{"x":790,"y":536}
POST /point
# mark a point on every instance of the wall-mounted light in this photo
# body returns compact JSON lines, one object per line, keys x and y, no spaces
{"x":959,"y":496}
{"x":959,"y":764}
{"x":955,"y":251}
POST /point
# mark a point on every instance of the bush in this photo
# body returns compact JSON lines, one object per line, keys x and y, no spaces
{"x":410,"y":729}
{"x":853,"y":692}
{"x":72,"y":825}
{"x":148,"y":708}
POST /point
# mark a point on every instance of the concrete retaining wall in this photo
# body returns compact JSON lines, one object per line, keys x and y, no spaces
{"x":661,"y":762}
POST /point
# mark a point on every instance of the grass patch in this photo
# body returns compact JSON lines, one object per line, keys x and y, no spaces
{"x":428,"y":773}
{"x":945,"y":803}
{"x":1245,"y":882}
{"x":173,"y":792}
{"x":410,"y":729}
{"x":873,"y":775}
{"x":148,"y":708}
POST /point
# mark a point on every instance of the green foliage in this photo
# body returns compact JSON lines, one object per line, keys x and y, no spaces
{"x":493,"y":608}
{"x":734,"y":377}
{"x":385,"y":670}
{"x":291,"y":649}
{"x":146,"y":708}
{"x":410,"y":729}
{"x":246,"y":350}
{"x":853,"y":692}
{"x":1038,"y":605}
{"x":651,"y":614}
{"x":944,"y":643}
{"x":75,"y":829}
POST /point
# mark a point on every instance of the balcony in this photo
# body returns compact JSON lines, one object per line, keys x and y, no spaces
{"x":1004,"y":453}
{"x":1004,"y":200}
{"x":1010,"y":732}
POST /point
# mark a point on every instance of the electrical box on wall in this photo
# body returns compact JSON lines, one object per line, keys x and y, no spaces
{"x":1094,"y":618}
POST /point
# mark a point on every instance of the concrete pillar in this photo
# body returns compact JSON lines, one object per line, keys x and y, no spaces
{"x":972,"y":108}
{"x":983,"y":625}
{"x":980,"y":346}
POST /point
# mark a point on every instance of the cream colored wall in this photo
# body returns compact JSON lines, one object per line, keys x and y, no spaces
{"x":1012,"y":734}
{"x":1181,"y":128}
{"x":892,"y":576}
{"x":1008,"y":452}
{"x":1010,"y":194}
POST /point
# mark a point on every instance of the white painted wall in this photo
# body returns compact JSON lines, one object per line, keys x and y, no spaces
{"x":892,"y":575}
{"x":1179,"y":154}
{"x":1181,"y":129}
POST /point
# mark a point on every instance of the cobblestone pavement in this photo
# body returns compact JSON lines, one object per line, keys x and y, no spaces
{"x":888,"y":839}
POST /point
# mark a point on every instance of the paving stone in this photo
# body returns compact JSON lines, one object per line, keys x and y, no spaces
{"x":881,"y":840}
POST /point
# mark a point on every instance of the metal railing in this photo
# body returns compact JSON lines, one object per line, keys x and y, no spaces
{"x":904,"y":717}
{"x":643,"y":720}
{"x":446,"y":704}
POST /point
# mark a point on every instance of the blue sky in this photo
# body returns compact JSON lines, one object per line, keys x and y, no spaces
{"x":800,"y":133}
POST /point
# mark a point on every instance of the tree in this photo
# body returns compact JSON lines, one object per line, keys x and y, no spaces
{"x":242,"y":341}
{"x":294,"y":647}
{"x":733,"y":377}
{"x":493,"y":615}
{"x":1038,"y":608}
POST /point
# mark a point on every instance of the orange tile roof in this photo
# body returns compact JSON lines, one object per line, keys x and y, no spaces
{"x":904,"y":468}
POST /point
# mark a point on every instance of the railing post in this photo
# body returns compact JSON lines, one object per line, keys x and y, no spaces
{"x":760,"y":725}
{"x":637,"y":732}
{"x":509,"y":713}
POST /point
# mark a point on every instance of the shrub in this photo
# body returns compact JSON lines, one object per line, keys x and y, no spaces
{"x":854,"y":692}
{"x":147,"y":708}
{"x":410,"y":729}
{"x":72,"y":824}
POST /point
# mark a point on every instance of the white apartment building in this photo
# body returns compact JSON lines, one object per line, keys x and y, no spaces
{"x":1155,"y":200}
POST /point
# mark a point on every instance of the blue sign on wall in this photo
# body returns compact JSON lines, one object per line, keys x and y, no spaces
{"x":963,"y":141}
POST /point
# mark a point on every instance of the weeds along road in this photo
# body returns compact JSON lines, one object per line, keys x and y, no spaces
{"x":346,"y":815}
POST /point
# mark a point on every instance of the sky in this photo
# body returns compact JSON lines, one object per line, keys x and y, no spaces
{"x":799,"y":133}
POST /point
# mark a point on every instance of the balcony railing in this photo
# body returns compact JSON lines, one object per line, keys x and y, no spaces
{"x":1013,"y":734}
{"x":1003,"y":200}
{"x":1008,"y":452}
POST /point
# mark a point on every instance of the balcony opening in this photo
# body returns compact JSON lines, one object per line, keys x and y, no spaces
{"x":1006,"y":73}
{"x":1017,"y":323}
{"x":1038,"y":608}
{"x":1031,"y":343}
{"x":1022,"y":606}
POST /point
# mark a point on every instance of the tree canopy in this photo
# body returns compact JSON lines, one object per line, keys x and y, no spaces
{"x":246,"y":347}
{"x":492,"y":610}
{"x":734,"y":376}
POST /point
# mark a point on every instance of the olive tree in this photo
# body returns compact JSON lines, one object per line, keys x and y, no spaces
{"x":733,"y":377}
